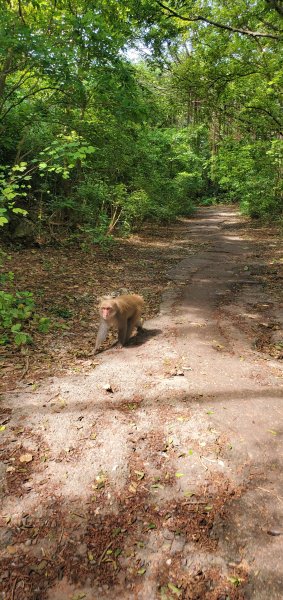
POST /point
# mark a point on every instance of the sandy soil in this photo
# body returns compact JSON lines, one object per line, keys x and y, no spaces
{"x":157,"y":473}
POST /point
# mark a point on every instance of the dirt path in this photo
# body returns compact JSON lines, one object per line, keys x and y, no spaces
{"x":158,"y":474}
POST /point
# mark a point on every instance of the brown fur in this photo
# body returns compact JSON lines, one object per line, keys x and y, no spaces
{"x":123,"y":313}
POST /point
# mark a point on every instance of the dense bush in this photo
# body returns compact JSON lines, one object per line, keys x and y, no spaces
{"x":249,"y":173}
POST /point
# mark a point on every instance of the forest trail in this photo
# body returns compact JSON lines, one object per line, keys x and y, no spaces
{"x":157,"y":475}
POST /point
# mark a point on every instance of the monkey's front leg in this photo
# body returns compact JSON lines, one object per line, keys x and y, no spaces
{"x":101,"y":335}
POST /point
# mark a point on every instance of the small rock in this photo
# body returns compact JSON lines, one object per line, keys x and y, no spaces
{"x":166,"y":547}
{"x":82,"y":549}
{"x":108,"y":388}
{"x":178,"y":544}
{"x":167,"y":534}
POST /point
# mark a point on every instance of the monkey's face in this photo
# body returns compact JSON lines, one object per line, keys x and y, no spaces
{"x":107,"y":310}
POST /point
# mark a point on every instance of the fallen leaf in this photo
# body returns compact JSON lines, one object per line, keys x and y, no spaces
{"x":26,"y":458}
{"x":132,"y":406}
{"x":177,"y":591}
{"x":39,"y":567}
{"x":235,"y":580}
{"x":217,"y":346}
{"x":11,"y":549}
{"x":151,"y":526}
{"x":140,"y":474}
{"x":133,"y":487}
{"x":178,"y":475}
{"x":101,"y":480}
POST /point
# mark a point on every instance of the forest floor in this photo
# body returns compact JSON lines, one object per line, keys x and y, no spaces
{"x":153,"y":472}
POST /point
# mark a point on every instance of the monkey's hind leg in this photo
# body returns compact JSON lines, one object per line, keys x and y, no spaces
{"x":130,"y":327}
{"x":122,"y":333}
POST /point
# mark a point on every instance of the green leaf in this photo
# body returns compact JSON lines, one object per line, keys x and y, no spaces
{"x":17,"y":327}
{"x":44,"y":325}
{"x":177,"y":591}
{"x":21,"y":338}
{"x":20,"y":211}
{"x":235,"y":580}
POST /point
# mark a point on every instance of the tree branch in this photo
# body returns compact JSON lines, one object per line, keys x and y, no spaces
{"x":21,"y":11}
{"x":264,"y":110}
{"x":32,"y":93}
{"x":231,"y":77}
{"x":23,"y":79}
{"x":193,"y":19}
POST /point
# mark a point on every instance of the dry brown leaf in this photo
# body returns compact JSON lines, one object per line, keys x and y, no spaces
{"x":26,"y":458}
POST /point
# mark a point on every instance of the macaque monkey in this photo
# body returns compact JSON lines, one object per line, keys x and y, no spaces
{"x":123,"y":313}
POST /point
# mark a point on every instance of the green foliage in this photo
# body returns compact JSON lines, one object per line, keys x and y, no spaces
{"x":15,"y":310}
{"x":209,"y":200}
{"x":12,"y":187}
{"x":250,"y":174}
{"x":136,"y":208}
{"x":99,"y":144}
{"x":61,"y":311}
{"x":63,"y":154}
{"x":44,"y":325}
{"x":99,"y":234}
{"x":17,"y":313}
